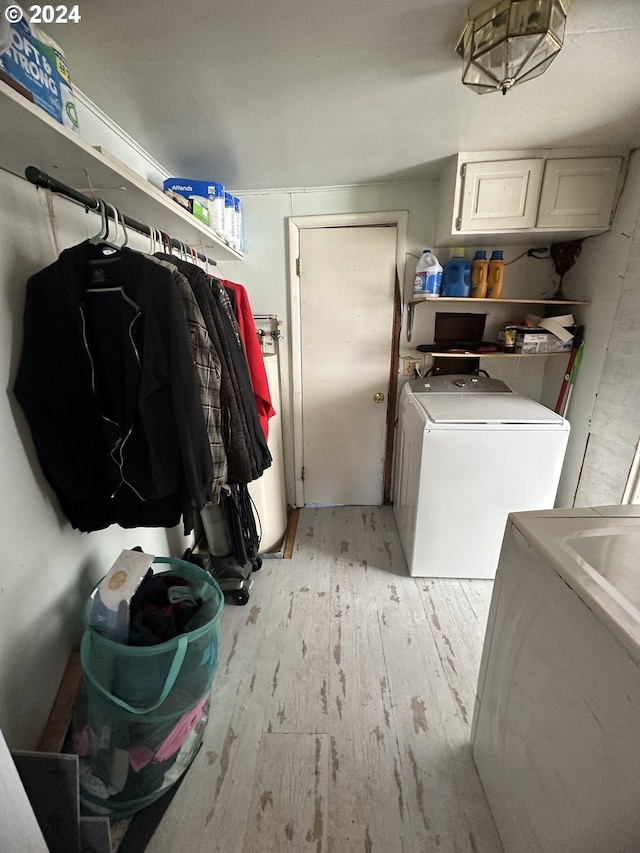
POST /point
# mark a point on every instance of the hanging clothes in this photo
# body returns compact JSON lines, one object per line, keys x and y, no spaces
{"x":242,"y":380}
{"x":107,"y":383}
{"x":209,"y":375}
{"x":247,"y":452}
{"x":253,"y":352}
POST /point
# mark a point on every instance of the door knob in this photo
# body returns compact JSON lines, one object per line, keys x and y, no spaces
{"x":378,"y":398}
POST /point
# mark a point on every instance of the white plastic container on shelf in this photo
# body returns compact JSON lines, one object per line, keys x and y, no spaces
{"x":239,"y":231}
{"x":229,"y":213}
{"x":428,"y":277}
{"x":216,"y":208}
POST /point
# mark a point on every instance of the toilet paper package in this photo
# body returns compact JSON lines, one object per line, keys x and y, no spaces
{"x":34,"y":65}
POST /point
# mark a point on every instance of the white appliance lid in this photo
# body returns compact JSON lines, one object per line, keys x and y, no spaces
{"x":485,"y":409}
{"x":597,"y":557}
{"x":613,"y":554}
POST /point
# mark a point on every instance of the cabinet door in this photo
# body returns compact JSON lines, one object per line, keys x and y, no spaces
{"x":499,"y":196}
{"x":578,"y":193}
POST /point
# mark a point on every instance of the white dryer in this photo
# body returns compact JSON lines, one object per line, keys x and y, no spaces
{"x":556,"y":724}
{"x":469,"y":451}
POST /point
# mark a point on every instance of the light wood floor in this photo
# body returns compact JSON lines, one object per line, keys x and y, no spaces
{"x":341,"y":707}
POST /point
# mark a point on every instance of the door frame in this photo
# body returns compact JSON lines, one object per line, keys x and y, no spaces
{"x":397,"y":218}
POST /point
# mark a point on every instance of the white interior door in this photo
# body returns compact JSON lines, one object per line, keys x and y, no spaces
{"x":347,"y":278}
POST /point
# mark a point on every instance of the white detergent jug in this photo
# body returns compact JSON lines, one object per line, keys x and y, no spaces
{"x":428,"y":278}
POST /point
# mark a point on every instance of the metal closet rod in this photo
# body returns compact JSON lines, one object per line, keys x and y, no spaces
{"x":41,"y":179}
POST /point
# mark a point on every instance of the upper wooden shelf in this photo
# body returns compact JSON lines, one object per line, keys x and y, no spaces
{"x":497,"y":354}
{"x":417,"y":300}
{"x":30,"y":137}
{"x":411,"y":304}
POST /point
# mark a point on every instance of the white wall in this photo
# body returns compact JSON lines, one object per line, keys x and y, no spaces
{"x":604,"y":404}
{"x":48,"y":569}
{"x":605,"y":407}
{"x":96,"y":128}
{"x":264,"y":271}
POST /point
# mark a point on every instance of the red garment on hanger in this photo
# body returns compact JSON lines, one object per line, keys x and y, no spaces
{"x":253,"y":352}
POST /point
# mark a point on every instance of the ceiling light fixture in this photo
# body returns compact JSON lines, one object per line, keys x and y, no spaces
{"x":510,"y":41}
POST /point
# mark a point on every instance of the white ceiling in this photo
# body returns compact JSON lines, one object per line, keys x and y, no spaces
{"x":302,"y":93}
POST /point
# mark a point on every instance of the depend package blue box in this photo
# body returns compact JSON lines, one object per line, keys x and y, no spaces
{"x":34,"y":65}
{"x":188,"y":188}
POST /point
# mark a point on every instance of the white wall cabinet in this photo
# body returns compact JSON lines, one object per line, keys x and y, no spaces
{"x":578,"y":192}
{"x":528,"y":197}
{"x":498,"y":196}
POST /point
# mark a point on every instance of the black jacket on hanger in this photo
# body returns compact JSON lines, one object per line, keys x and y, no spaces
{"x":107,"y":382}
{"x":247,"y":452}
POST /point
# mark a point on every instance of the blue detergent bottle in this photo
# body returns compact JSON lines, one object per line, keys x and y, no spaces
{"x":456,"y":276}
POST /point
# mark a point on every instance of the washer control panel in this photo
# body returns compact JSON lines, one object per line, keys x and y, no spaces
{"x":458,"y":384}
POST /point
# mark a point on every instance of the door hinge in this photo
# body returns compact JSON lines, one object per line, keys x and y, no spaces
{"x":302,"y":474}
{"x":298,"y":267}
{"x":458,"y":223}
{"x":463,"y":170}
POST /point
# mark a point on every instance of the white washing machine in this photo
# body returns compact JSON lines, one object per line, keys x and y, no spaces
{"x":469,"y":451}
{"x":556,"y":725}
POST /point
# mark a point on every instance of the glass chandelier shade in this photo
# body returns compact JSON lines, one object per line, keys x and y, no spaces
{"x":509,"y":42}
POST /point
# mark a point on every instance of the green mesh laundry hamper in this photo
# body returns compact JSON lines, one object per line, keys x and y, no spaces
{"x":141,"y":712}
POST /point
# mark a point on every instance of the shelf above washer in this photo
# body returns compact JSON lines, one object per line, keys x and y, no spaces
{"x":497,"y":354}
{"x":411,"y":305}
{"x":498,"y":301}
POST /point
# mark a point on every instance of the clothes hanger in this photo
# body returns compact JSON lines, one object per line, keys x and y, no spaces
{"x":155,"y":240}
{"x":104,"y":225}
{"x":205,"y":268}
{"x":162,"y":245}
{"x":112,"y":243}
{"x":166,"y":242}
{"x":124,"y":228}
{"x":159,"y":240}
{"x":102,"y":239}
